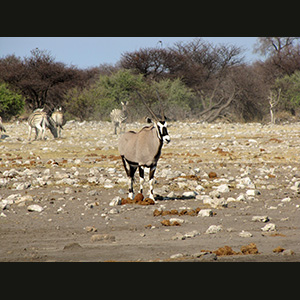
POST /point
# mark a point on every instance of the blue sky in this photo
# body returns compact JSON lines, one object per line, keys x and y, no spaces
{"x":85,"y":52}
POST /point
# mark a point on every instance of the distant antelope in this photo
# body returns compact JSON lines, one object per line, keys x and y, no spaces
{"x":58,"y":118}
{"x":142,"y":149}
{"x":39,"y":120}
{"x":2,"y":128}
{"x":119,"y":117}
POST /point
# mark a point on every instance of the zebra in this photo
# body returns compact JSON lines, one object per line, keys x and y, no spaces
{"x":119,"y":117}
{"x":39,"y":120}
{"x":2,"y":128}
{"x":58,"y":118}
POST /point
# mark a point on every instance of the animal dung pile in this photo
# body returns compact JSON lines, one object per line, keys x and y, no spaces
{"x":192,"y":212}
{"x":227,"y":250}
{"x":170,"y":223}
{"x":138,"y":199}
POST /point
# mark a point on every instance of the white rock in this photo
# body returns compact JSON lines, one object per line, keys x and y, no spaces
{"x":177,"y":255}
{"x":190,"y":194}
{"x":178,"y":220}
{"x":191,"y":234}
{"x":178,"y":236}
{"x":93,"y":179}
{"x":23,"y":186}
{"x":108,"y":185}
{"x":223,"y":188}
{"x":115,"y":201}
{"x":34,"y":207}
{"x":114,"y":211}
{"x":28,"y":198}
{"x":77,"y":161}
{"x":111,"y":170}
{"x":205,"y":213}
{"x":241,"y":197}
{"x":252,"y":192}
{"x":212,"y":229}
{"x":245,"y":182}
{"x":263,"y":219}
{"x":288,"y":199}
{"x":199,"y":188}
{"x":68,"y":190}
{"x":269,"y":227}
{"x":245,"y":234}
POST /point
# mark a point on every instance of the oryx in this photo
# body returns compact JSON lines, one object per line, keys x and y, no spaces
{"x":142,"y":149}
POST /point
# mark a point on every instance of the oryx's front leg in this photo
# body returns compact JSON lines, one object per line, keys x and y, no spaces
{"x":151,"y":181}
{"x":142,"y":180}
{"x":130,"y":174}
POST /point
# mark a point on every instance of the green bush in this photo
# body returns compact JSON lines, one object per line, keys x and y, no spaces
{"x":11,"y":103}
{"x":290,"y":91}
{"x":106,"y":94}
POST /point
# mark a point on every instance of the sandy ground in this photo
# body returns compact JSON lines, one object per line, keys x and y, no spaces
{"x":73,"y":180}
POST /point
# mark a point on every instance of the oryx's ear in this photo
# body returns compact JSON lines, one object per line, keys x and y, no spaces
{"x":148,"y":120}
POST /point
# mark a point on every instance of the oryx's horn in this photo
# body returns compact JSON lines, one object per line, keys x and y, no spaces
{"x":149,"y":109}
{"x":161,"y":108}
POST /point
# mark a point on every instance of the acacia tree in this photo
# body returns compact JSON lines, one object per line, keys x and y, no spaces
{"x":283,"y":54}
{"x":40,"y":79}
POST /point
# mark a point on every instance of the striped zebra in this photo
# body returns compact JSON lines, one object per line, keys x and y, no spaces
{"x":39,"y":120}
{"x":2,"y":128}
{"x":119,"y":117}
{"x":58,"y":118}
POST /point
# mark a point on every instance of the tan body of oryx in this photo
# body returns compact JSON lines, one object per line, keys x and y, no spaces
{"x":142,"y":149}
{"x":136,"y":147}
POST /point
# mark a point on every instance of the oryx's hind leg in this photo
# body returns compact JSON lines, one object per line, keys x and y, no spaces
{"x":142,"y":180}
{"x":151,"y":181}
{"x":132,"y":172}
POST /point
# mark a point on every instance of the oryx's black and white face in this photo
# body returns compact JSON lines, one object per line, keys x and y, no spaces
{"x":163,"y":131}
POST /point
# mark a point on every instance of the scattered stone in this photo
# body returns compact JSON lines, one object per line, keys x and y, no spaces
{"x":191,"y":234}
{"x":205,"y":213}
{"x":114,"y":211}
{"x":115,"y":201}
{"x":214,"y":202}
{"x":72,"y":246}
{"x":212,"y":229}
{"x":288,"y":252}
{"x":178,"y":236}
{"x":252,"y":192}
{"x":177,"y":255}
{"x":103,"y":237}
{"x":34,"y":207}
{"x":263,"y":219}
{"x":189,"y":194}
{"x":90,"y":229}
{"x":178,"y":220}
{"x":269,"y":227}
{"x":223,"y":188}
{"x":245,"y":234}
